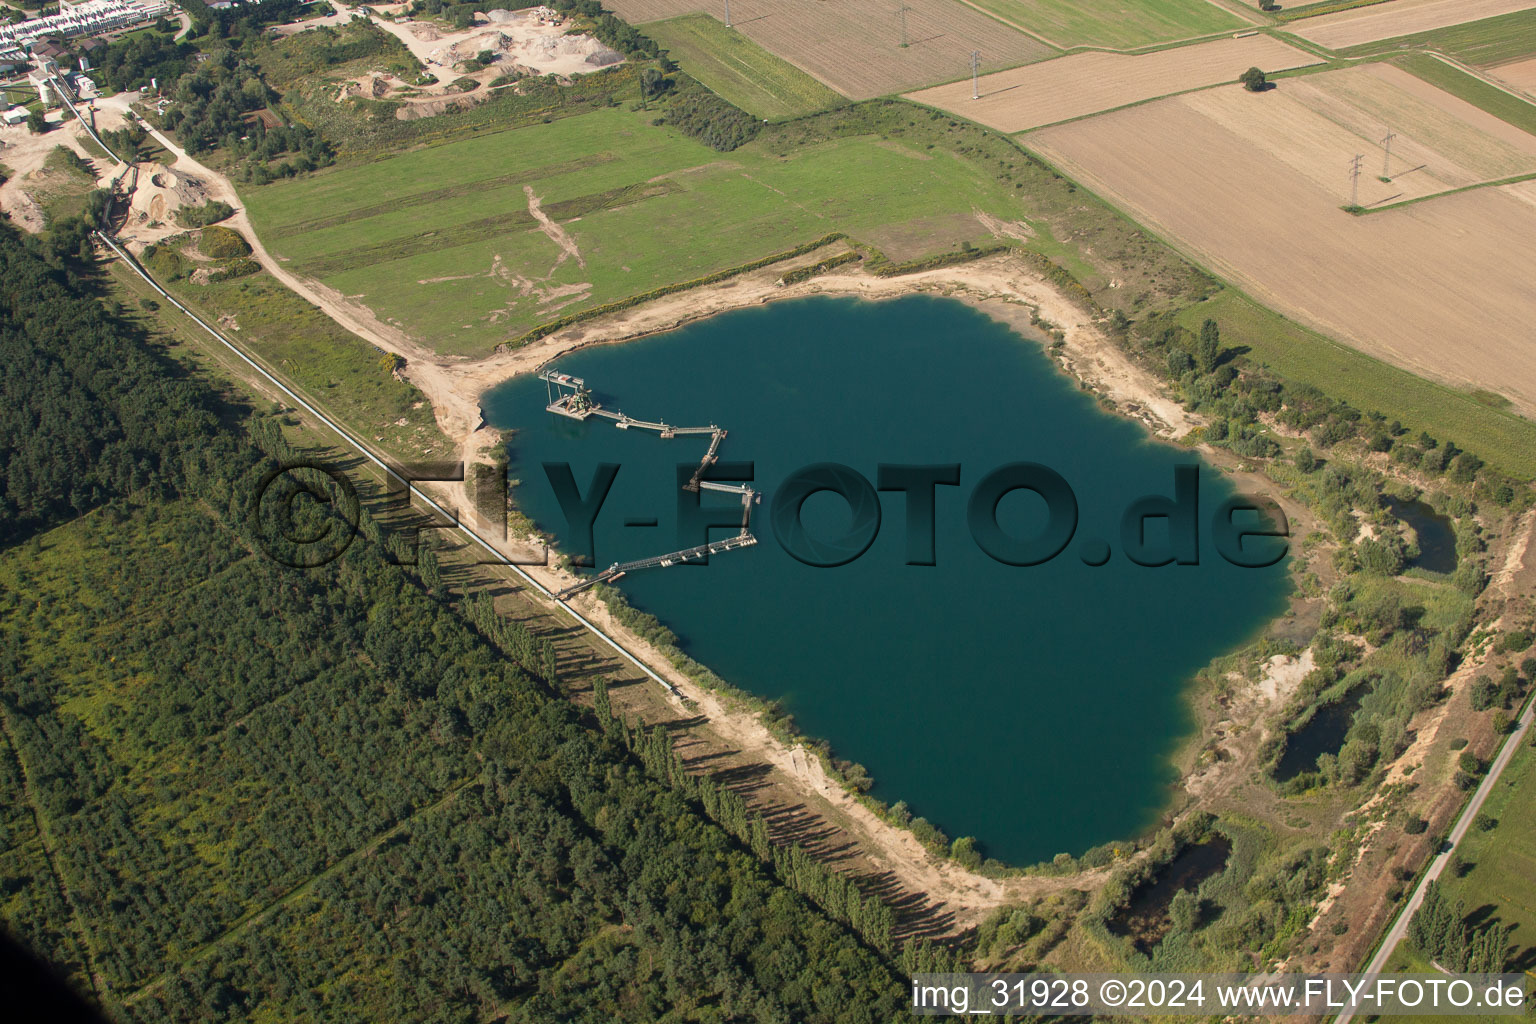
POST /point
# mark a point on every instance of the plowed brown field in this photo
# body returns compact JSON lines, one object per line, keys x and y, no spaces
{"x":1087,"y":83}
{"x":854,"y":46}
{"x":1254,"y":190}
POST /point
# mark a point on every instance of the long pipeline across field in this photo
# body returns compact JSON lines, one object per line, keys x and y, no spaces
{"x":366,"y":452}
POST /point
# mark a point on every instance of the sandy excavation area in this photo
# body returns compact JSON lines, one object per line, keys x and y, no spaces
{"x":157,"y":191}
{"x":23,"y":155}
{"x":1088,"y":83}
{"x":854,"y":46}
{"x":1399,"y":18}
{"x":532,"y":41}
{"x":1255,"y":191}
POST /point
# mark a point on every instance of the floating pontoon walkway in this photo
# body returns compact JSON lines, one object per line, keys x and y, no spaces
{"x":617,"y":569}
{"x":568,"y":396}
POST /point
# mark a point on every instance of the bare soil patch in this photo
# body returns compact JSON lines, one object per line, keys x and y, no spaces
{"x":1519,"y":75}
{"x":24,"y":154}
{"x":534,"y":41}
{"x":1088,"y":83}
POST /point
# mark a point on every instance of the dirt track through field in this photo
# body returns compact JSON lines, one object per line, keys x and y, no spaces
{"x":1443,"y":288}
{"x":854,"y":46}
{"x":1087,"y":83}
{"x":1398,"y":18}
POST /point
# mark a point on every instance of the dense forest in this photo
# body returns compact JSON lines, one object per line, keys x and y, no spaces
{"x":235,"y":789}
{"x":211,"y":108}
{"x":84,"y":422}
{"x":136,"y":60}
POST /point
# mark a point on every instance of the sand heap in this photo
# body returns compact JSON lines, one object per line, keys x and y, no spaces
{"x":471,"y":46}
{"x":374,"y":85}
{"x":548,"y":49}
{"x":524,"y":40}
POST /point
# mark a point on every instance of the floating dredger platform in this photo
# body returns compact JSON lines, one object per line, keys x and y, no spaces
{"x":569,"y":396}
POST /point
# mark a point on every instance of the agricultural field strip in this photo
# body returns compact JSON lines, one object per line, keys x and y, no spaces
{"x":1484,"y":43}
{"x":739,"y":70}
{"x":1089,"y":83}
{"x":1375,"y":282}
{"x":1516,"y":179}
{"x":1310,"y":135}
{"x":854,"y":46}
{"x":1452,"y":132}
{"x":1112,"y":25}
{"x":377,"y":202}
{"x":1399,"y":18}
{"x":1472,"y":86}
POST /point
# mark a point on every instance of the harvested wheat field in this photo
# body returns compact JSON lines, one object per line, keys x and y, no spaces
{"x":1441,"y":287}
{"x":1519,"y":75}
{"x":1316,"y":125}
{"x":1087,"y":83}
{"x":854,"y":46}
{"x":1440,"y":141}
{"x":1398,"y":18}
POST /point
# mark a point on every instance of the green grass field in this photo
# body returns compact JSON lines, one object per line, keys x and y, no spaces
{"x":1480,"y":43}
{"x":740,"y":70}
{"x":1501,"y":438}
{"x":441,"y":241}
{"x":329,"y":364}
{"x":1114,"y":24}
{"x":1475,"y":91}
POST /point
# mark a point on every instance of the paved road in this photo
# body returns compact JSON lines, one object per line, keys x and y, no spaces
{"x":1437,"y":865}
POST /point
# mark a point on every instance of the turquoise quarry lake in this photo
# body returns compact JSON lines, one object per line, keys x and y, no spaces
{"x":1035,"y":708}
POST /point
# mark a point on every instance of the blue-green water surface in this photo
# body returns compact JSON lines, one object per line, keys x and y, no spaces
{"x":1034,"y":708}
